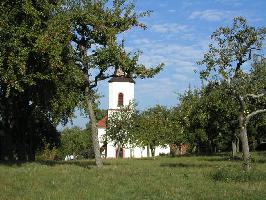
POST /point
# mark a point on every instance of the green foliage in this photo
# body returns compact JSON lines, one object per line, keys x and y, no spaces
{"x":48,"y":153}
{"x":96,"y":26}
{"x":176,"y":134}
{"x":207,"y":117}
{"x":52,"y":55}
{"x":35,"y":56}
{"x":153,"y":127}
{"x":228,"y":61}
{"x":156,"y":126}
{"x":75,"y":141}
{"x":38,"y":80}
{"x":231,"y":47}
{"x":120,"y":125}
{"x":98,"y":53}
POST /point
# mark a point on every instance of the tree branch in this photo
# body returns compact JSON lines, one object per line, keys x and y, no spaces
{"x":253,"y":114}
{"x":99,"y":77}
{"x":255,"y":95}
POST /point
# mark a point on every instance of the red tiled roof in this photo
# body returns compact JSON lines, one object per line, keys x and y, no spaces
{"x":102,"y":123}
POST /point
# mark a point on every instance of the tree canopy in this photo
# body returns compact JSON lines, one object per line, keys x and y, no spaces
{"x":228,"y":60}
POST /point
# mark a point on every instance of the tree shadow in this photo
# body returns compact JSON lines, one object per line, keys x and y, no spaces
{"x":261,"y":161}
{"x":12,"y":163}
{"x":223,"y":159}
{"x":186,"y":165}
{"x":88,"y":164}
{"x":261,"y":153}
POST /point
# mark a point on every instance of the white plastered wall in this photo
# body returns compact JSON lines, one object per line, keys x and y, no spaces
{"x":115,"y":88}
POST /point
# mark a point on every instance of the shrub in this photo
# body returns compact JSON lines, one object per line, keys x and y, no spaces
{"x":48,"y":153}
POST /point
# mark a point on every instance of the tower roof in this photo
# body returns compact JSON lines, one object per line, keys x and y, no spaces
{"x":121,"y":79}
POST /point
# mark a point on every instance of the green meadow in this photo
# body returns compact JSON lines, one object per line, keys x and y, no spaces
{"x":188,"y":177}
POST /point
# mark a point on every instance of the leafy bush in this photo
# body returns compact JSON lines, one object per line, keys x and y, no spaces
{"x":49,"y":153}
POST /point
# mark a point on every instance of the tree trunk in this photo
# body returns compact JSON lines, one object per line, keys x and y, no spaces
{"x":148,"y":151}
{"x":152,"y":151}
{"x":245,"y":148}
{"x":233,"y":148}
{"x":118,"y":151}
{"x":95,"y":140}
{"x":244,"y":140}
{"x":237,"y":145}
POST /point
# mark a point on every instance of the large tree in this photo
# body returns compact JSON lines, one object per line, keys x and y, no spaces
{"x":228,"y":60}
{"x":37,"y":79}
{"x":96,"y":26}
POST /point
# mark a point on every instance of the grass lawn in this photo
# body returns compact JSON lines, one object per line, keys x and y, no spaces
{"x":205,"y":177}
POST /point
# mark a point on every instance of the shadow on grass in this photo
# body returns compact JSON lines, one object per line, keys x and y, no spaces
{"x":88,"y":164}
{"x":186,"y":165}
{"x":260,"y":161}
{"x":12,"y":163}
{"x":218,"y":159}
{"x":235,"y":159}
{"x":261,"y":153}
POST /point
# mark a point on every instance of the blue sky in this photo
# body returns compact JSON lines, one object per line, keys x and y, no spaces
{"x":178,"y":34}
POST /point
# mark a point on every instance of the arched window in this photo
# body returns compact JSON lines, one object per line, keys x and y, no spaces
{"x":120,"y":99}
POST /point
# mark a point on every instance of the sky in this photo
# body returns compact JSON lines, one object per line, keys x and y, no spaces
{"x":178,"y":35}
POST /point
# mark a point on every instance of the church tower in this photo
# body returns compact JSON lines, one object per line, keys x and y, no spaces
{"x":121,"y":91}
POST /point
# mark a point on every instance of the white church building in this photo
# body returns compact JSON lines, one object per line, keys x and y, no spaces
{"x":121,"y":93}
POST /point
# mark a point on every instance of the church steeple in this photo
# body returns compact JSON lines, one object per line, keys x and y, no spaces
{"x":121,"y":90}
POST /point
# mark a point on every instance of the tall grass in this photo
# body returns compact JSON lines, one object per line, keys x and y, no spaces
{"x":210,"y":177}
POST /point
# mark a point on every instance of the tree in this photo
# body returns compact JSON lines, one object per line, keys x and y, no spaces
{"x":231,"y":49}
{"x":176,"y":133}
{"x":193,"y":118}
{"x":38,"y":83}
{"x":95,"y":28}
{"x":152,"y":128}
{"x":120,"y":127}
{"x":75,"y":141}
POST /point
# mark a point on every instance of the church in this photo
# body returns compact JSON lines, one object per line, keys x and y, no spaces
{"x":121,"y":93}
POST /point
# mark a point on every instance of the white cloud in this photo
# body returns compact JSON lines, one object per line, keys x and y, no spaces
{"x":181,"y":77}
{"x":159,"y":89}
{"x":170,"y":54}
{"x":210,"y":15}
{"x":180,"y":61}
{"x":141,"y":41}
{"x":231,"y":2}
{"x":169,"y":28}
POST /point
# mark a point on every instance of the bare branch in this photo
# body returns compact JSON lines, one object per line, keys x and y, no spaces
{"x":253,"y":114}
{"x":99,"y":77}
{"x":256,"y":95}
